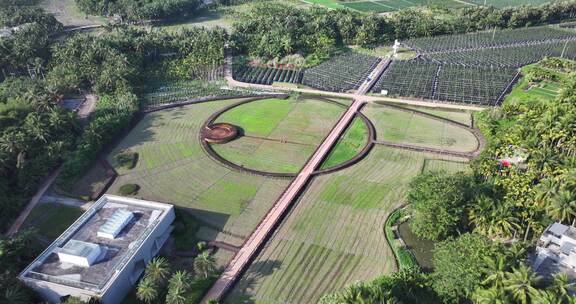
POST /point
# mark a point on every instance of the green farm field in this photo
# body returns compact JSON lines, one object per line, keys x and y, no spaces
{"x":403,"y":127}
{"x":173,"y":168}
{"x":279,"y":134}
{"x":506,"y":3}
{"x":334,"y":235}
{"x":349,"y":145}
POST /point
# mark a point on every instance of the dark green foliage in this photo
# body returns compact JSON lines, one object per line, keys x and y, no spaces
{"x":15,"y":253}
{"x":458,"y":265}
{"x":129,"y":189}
{"x":404,"y":258}
{"x":185,"y":229}
{"x":138,"y":9}
{"x":127,"y":159}
{"x":407,"y":286}
{"x":438,"y":201}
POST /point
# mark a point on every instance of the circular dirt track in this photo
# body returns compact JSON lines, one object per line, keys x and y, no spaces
{"x":219,"y":133}
{"x":210,"y":124}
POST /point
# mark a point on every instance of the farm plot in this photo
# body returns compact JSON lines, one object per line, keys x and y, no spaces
{"x":506,"y":3}
{"x":462,"y":117}
{"x":279,"y":135}
{"x":485,"y":39}
{"x":404,"y":127}
{"x":173,"y":168}
{"x":445,"y":82}
{"x":161,"y":94}
{"x":381,"y":6}
{"x":334,"y":235}
{"x":341,"y":73}
{"x":349,"y":145}
{"x":515,"y":56}
{"x":267,"y":76}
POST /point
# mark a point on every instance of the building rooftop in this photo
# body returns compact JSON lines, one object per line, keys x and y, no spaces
{"x":82,"y":237}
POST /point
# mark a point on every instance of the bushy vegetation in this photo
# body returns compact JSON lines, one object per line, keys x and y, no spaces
{"x":15,"y":253}
{"x":129,"y":189}
{"x":274,"y":31}
{"x":127,"y":159}
{"x":139,"y":10}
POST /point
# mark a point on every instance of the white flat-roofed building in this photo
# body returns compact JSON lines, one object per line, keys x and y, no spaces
{"x":556,"y":252}
{"x":103,"y":253}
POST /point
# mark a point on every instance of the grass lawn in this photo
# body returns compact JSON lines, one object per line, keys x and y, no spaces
{"x":403,"y":127}
{"x":173,"y":168}
{"x":334,"y":235}
{"x":349,"y":145}
{"x":455,"y":115}
{"x":51,"y":219}
{"x":279,"y":134}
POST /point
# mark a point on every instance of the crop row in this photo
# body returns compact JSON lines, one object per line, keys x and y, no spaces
{"x":267,"y":76}
{"x":490,"y":39}
{"x":445,"y":82}
{"x":516,"y":56}
{"x":341,"y":73}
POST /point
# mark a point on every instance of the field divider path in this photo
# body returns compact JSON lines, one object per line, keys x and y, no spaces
{"x":265,"y":229}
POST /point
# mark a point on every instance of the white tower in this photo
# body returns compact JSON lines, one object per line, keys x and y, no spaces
{"x":396,"y":47}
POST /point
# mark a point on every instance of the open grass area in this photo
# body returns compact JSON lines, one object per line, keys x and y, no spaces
{"x":68,"y":13}
{"x":334,"y":235}
{"x":49,"y":220}
{"x":455,"y":115}
{"x":279,"y":134}
{"x":349,"y":145}
{"x":403,"y":127}
{"x":173,"y":168}
{"x":525,"y":91}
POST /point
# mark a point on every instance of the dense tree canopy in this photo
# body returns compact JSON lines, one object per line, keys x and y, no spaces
{"x":138,"y":9}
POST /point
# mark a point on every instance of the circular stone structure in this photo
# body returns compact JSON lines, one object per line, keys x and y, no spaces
{"x":219,"y":133}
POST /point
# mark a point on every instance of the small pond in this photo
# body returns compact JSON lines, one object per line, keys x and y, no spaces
{"x":421,"y":248}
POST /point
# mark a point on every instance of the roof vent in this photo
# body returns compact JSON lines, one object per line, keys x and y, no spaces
{"x":115,"y":224}
{"x":79,"y":253}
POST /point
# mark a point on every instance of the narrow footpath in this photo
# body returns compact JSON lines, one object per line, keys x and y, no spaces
{"x":256,"y":241}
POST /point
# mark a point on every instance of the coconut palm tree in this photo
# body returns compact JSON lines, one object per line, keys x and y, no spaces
{"x":560,"y":286}
{"x":147,"y":290}
{"x":495,"y":270}
{"x":157,"y":270}
{"x":15,"y":295}
{"x":481,"y":214}
{"x":491,"y":295}
{"x":563,"y":206}
{"x":178,"y":287}
{"x":204,"y":263}
{"x":521,"y":284}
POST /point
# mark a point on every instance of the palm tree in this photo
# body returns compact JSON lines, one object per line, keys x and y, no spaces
{"x":545,"y":190}
{"x":489,"y":296}
{"x":520,"y":283}
{"x":495,"y":270}
{"x":560,"y":286}
{"x":147,"y":290}
{"x":178,"y":288}
{"x":481,"y":214}
{"x":157,"y":270}
{"x":547,"y":297}
{"x":563,"y":207}
{"x":15,"y":295}
{"x":204,"y":263}
{"x":505,"y":221}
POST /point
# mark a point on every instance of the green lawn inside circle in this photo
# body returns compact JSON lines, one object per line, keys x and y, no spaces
{"x":278,"y":135}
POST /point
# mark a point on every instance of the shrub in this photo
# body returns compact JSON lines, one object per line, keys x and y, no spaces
{"x":127,"y":159}
{"x":129,"y":189}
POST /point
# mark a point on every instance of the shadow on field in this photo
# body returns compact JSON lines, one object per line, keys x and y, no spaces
{"x":244,"y":291}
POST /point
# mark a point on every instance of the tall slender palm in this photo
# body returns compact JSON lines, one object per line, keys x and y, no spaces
{"x":563,"y":206}
{"x":204,"y":263}
{"x":157,"y":270}
{"x":521,"y":284}
{"x":147,"y":290}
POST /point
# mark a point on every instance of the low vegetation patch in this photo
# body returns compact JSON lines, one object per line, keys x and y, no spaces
{"x":129,"y":189}
{"x":127,"y":159}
